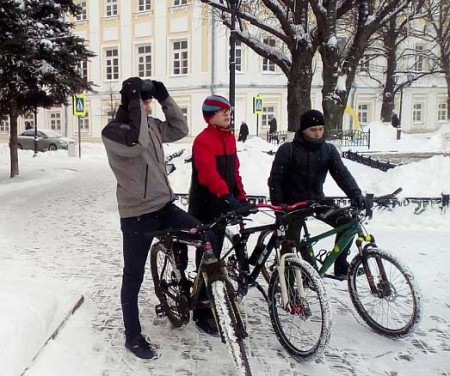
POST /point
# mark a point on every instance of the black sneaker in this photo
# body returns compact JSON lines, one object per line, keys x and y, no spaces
{"x":341,"y":270}
{"x":141,"y":348}
{"x":204,"y":320}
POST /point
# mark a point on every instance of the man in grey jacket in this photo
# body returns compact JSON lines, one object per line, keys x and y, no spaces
{"x":133,"y":142}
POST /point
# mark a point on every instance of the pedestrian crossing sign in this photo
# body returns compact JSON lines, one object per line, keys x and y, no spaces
{"x":79,"y":105}
{"x":257,"y":105}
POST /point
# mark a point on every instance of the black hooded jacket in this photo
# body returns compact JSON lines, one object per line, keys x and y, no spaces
{"x":300,"y":168}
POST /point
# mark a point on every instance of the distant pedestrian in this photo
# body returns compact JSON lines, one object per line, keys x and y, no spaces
{"x":28,"y":125}
{"x":243,"y":132}
{"x":395,"y":121}
{"x":273,"y":135}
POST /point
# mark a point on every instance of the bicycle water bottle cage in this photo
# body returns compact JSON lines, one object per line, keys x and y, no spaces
{"x":322,"y":255}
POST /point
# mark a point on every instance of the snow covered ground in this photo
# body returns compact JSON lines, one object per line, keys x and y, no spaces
{"x":60,"y":239}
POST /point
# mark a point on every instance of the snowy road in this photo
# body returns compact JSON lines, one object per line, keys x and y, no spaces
{"x":69,"y":227}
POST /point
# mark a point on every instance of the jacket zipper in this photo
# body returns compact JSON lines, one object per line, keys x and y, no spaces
{"x":145,"y":183}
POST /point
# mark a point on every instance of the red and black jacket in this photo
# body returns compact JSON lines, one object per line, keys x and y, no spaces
{"x":215,"y":172}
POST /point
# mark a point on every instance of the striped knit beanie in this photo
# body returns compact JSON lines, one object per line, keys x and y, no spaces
{"x":212,"y":104}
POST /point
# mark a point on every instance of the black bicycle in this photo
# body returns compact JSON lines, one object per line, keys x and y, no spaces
{"x":297,"y":301}
{"x":173,"y":288}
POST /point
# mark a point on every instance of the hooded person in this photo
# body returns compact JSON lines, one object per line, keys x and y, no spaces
{"x":134,"y":147}
{"x":299,"y":170}
{"x":216,"y":184}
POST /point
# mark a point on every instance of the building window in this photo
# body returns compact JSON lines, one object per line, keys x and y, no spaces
{"x":418,"y":112}
{"x":238,"y":56}
{"x":419,"y":58}
{"x":84,"y":122}
{"x":442,"y":111}
{"x":83,"y":69}
{"x":144,"y":57}
{"x":177,"y":3}
{"x":268,"y":113}
{"x":268,"y":66}
{"x":180,"y":57}
{"x":4,"y":125}
{"x":144,"y":5}
{"x":112,"y":64}
{"x":363,"y":113}
{"x":111,"y":8}
{"x":364,"y":64}
{"x":29,"y":120}
{"x":55,"y":121}
{"x":82,"y":15}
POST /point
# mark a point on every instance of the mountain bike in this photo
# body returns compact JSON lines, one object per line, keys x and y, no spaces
{"x":297,"y":301}
{"x":172,"y":288}
{"x":382,"y":288}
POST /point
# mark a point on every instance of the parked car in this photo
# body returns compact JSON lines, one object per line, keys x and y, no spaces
{"x":47,"y":139}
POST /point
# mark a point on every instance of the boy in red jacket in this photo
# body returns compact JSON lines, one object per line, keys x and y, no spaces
{"x":216,"y":185}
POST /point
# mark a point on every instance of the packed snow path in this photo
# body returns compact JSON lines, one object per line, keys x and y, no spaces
{"x":69,"y":227}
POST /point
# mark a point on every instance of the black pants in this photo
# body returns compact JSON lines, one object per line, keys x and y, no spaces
{"x":135,"y":251}
{"x":295,"y":227}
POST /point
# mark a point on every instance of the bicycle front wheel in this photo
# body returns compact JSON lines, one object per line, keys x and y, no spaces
{"x":230,"y":326}
{"x":393,"y":307}
{"x":304,"y":329}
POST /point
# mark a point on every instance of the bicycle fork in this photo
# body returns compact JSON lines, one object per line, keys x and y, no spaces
{"x":284,"y":288}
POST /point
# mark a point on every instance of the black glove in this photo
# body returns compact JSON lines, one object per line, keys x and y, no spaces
{"x":230,"y":202}
{"x":131,"y":88}
{"x":159,"y":91}
{"x":358,"y":202}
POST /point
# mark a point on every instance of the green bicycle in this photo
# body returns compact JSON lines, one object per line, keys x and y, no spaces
{"x":382,"y":288}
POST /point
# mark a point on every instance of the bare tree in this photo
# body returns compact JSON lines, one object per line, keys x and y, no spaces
{"x":286,"y":22}
{"x":438,"y":13}
{"x":340,"y":60}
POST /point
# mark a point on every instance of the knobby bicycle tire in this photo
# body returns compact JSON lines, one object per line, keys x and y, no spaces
{"x":303,"y":334}
{"x":395,"y":309}
{"x":230,"y":326}
{"x":166,"y":281}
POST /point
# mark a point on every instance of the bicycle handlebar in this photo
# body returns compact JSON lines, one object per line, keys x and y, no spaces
{"x":285,"y":208}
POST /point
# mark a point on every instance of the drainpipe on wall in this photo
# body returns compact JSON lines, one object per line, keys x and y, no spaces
{"x":213,"y":51}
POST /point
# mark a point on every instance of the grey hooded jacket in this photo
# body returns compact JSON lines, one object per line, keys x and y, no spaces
{"x":134,"y":146}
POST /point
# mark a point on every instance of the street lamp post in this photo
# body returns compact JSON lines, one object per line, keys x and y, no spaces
{"x":409,"y":79}
{"x":234,"y":6}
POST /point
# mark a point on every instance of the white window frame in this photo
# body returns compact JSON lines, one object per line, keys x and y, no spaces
{"x":269,"y":111}
{"x":112,"y":64}
{"x":239,"y":57}
{"x":5,"y":125}
{"x":177,"y":57}
{"x":84,"y":123}
{"x":364,"y":64}
{"x":267,"y":65}
{"x":419,"y":60}
{"x":418,"y":112}
{"x":442,"y":111}
{"x":179,"y":3}
{"x":55,"y":120}
{"x":83,"y":69}
{"x":82,"y":16}
{"x":363,"y":112}
{"x":144,"y":60}
{"x":144,"y":5}
{"x":110,"y":8}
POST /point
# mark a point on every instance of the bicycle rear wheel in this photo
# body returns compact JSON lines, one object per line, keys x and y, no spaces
{"x":230,"y":326}
{"x":394,"y":309}
{"x":303,"y":331}
{"x":166,"y":281}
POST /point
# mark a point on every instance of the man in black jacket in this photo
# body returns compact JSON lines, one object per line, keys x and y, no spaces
{"x":299,"y":171}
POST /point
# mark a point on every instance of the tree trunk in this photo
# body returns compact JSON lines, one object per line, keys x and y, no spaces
{"x":391,"y":66}
{"x":299,"y":89}
{"x":13,"y":115}
{"x":446,"y":67}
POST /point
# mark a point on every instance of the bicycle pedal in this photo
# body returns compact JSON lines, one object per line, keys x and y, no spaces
{"x":160,"y":311}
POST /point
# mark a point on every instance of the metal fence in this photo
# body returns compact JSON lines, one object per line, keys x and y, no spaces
{"x":276,"y":137}
{"x":350,"y":138}
{"x":370,"y":161}
{"x":418,"y":204}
